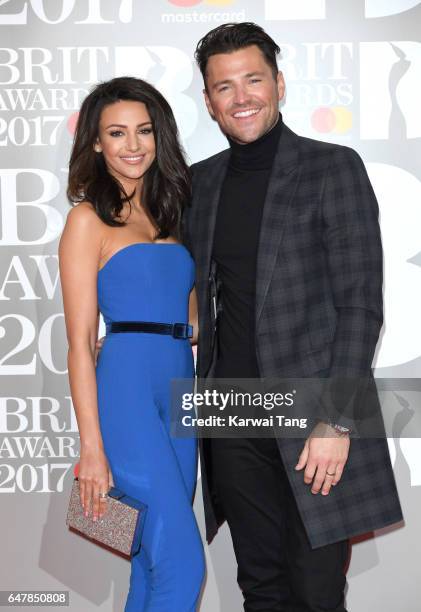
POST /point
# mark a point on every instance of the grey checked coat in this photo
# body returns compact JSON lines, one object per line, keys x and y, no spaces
{"x":318,"y":308}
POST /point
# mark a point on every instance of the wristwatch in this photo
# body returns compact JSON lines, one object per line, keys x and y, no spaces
{"x":340,"y":429}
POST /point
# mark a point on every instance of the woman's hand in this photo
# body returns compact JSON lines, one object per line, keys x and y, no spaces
{"x":94,"y":478}
{"x":98,"y":346}
{"x":193,"y":316}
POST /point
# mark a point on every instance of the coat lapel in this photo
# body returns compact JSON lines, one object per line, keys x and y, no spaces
{"x":282,"y":184}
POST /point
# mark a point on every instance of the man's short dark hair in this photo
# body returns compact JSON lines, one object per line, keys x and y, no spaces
{"x":230,"y":37}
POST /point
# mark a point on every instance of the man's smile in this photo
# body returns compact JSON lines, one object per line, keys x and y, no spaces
{"x":245,"y":114}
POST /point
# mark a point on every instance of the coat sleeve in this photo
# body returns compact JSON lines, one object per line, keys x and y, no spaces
{"x":353,"y":251}
{"x":185,"y":220}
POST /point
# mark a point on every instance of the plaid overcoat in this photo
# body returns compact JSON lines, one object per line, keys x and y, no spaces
{"x":318,"y":309}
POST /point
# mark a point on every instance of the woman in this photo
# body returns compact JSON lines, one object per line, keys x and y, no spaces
{"x":120,"y":254}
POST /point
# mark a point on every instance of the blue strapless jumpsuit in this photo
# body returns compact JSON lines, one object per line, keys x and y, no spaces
{"x":151,"y":282}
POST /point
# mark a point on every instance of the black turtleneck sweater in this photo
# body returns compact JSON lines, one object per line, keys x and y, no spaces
{"x":235,"y":251}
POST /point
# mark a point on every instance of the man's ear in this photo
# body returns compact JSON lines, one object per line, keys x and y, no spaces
{"x":208,"y":104}
{"x":280,"y":84}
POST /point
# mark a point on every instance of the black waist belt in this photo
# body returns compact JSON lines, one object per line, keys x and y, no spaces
{"x":176,"y":330}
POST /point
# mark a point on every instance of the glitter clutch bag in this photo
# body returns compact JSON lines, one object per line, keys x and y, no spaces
{"x":120,"y":529}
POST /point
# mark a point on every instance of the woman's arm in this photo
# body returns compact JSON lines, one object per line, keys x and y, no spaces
{"x":193,"y":316}
{"x":79,"y":253}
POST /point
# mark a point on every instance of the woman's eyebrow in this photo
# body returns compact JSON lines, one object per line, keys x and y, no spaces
{"x":124,"y":126}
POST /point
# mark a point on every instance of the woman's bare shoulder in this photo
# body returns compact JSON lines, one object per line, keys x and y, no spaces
{"x":83,"y":227}
{"x":83,"y":213}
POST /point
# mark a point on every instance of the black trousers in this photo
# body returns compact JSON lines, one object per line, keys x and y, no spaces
{"x":277,"y":568}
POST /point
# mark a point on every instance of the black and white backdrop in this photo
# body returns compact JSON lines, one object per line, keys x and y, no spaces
{"x":353,"y":70}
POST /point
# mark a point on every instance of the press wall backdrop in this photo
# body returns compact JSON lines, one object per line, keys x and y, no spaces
{"x":353,"y":74}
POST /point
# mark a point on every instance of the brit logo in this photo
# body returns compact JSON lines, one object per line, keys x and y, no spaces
{"x":316,"y":9}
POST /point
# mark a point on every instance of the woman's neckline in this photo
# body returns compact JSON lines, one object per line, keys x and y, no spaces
{"x":133,"y":244}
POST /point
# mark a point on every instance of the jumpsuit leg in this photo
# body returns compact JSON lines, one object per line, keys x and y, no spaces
{"x":146,"y":463}
{"x":168,"y":571}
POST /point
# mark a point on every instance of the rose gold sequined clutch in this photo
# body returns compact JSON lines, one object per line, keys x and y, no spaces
{"x":119,"y":529}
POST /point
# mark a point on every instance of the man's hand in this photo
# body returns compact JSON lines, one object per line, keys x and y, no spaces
{"x":324,"y":456}
{"x":98,"y":347}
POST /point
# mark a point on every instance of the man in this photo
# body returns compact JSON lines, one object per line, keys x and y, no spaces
{"x":286,"y":228}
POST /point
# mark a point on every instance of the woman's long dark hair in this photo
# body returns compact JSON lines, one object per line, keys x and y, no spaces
{"x":166,"y":184}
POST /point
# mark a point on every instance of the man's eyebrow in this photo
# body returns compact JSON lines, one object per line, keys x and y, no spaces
{"x":227,"y":81}
{"x":124,"y":126}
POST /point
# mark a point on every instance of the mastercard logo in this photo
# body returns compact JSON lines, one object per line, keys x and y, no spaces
{"x":196,"y":2}
{"x":335,"y":119}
